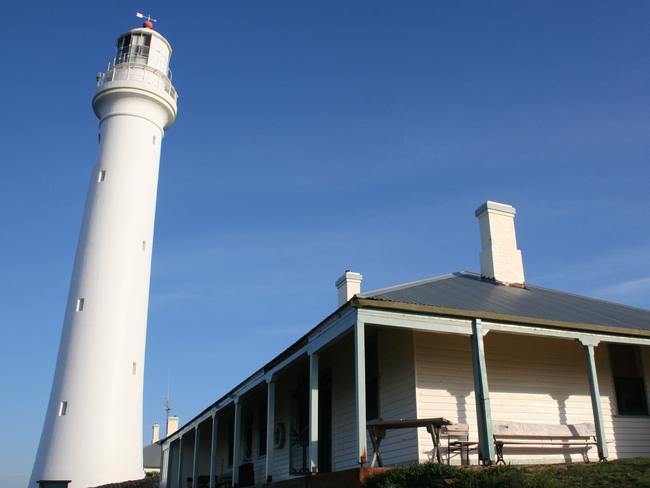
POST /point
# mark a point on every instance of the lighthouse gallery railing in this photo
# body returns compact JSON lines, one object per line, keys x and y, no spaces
{"x":138,"y":72}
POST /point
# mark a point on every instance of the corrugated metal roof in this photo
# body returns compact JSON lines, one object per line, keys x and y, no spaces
{"x":151,"y":456}
{"x":467,"y":291}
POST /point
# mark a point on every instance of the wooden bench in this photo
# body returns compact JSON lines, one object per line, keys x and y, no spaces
{"x":525,"y":435}
{"x":458,"y":441}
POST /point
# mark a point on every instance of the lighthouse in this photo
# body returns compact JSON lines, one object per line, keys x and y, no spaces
{"x":93,"y":425}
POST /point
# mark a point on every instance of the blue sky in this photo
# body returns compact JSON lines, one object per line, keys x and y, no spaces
{"x":313,"y":137}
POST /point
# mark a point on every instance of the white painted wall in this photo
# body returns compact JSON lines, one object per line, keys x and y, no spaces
{"x":99,"y":439}
{"x":285,"y":383}
{"x":223,"y":443}
{"x":531,"y":379}
{"x":396,"y":399}
{"x":188,"y":458}
{"x":250,"y":406}
{"x":159,"y":52}
{"x":397,"y":395}
{"x":205,"y":444}
{"x":344,"y":441}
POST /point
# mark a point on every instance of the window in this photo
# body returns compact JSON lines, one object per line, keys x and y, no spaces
{"x":134,"y":368}
{"x":261,"y":428}
{"x":154,"y":140}
{"x":627,"y":370}
{"x":144,"y":245}
{"x":101,"y":176}
{"x":372,"y":376}
{"x":80,"y":304}
{"x":63,"y":408}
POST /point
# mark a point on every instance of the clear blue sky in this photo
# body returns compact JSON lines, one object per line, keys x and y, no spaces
{"x":314,"y":137}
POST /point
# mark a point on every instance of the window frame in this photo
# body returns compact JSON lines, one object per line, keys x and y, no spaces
{"x":640,"y":364}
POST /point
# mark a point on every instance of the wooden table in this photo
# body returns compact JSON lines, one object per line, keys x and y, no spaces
{"x":377,"y":430}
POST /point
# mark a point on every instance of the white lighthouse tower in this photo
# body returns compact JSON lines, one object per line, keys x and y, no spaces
{"x":93,"y":426}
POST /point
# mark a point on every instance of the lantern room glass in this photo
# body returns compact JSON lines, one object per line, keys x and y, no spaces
{"x":133,"y":48}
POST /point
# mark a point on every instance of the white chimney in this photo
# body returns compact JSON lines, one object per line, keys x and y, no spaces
{"x":348,"y":285}
{"x":500,"y":258}
{"x":155,"y":433}
{"x":172,"y":425}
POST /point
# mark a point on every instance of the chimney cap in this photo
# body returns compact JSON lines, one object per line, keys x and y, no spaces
{"x":348,"y":275}
{"x":499,"y":207}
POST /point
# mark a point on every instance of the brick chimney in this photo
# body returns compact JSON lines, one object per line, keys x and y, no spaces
{"x":348,"y":285}
{"x":500,"y":258}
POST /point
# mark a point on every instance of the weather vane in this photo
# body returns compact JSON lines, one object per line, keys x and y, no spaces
{"x":147,"y":17}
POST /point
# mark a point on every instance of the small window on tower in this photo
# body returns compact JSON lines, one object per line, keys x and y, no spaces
{"x":101,"y":176}
{"x":80,"y":304}
{"x":154,"y":140}
{"x":63,"y":408}
{"x":133,"y":369}
{"x":144,"y":245}
{"x":99,"y":137}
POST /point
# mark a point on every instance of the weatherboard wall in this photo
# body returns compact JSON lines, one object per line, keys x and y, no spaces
{"x":284,"y":388}
{"x":343,"y":406}
{"x":205,"y":443}
{"x":397,"y":394}
{"x":531,"y":379}
{"x":396,"y":399}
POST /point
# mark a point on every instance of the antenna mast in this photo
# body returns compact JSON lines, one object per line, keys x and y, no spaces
{"x":168,"y":406}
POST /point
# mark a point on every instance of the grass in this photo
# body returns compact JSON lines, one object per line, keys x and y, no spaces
{"x":626,"y":473}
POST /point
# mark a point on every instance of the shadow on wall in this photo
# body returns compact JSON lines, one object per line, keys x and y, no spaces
{"x":531,"y":379}
{"x":461,"y":396}
{"x":561,"y":404}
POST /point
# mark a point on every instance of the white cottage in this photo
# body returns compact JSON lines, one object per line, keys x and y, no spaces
{"x":534,"y":376}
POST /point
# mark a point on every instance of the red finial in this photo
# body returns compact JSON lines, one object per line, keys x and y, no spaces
{"x":148,"y":25}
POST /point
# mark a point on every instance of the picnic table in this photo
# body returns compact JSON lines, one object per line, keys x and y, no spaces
{"x":377,"y":430}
